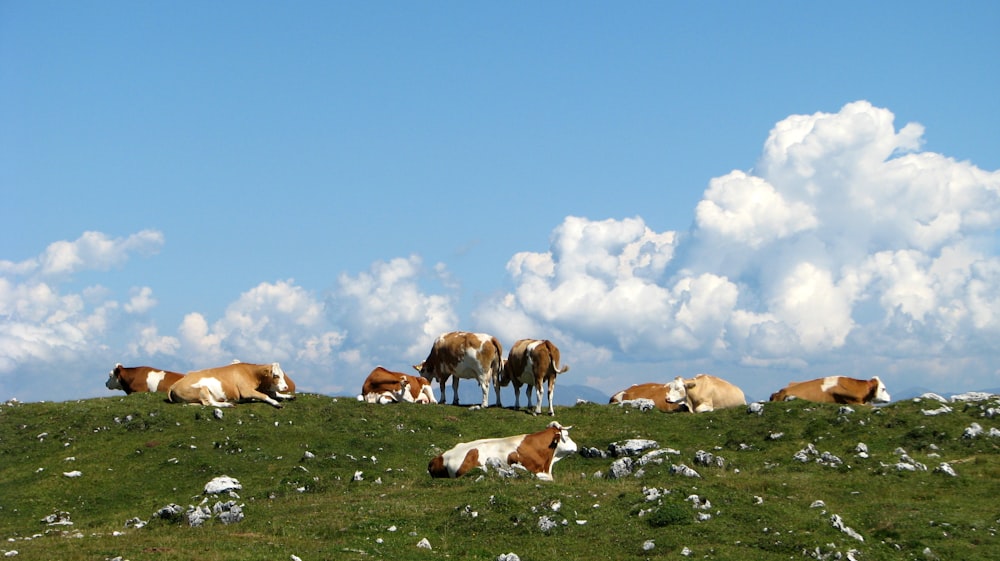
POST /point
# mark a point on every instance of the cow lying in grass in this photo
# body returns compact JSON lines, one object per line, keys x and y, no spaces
{"x":536,"y":452}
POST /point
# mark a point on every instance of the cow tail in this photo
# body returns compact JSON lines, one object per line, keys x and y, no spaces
{"x":497,"y":362}
{"x":555,"y":364}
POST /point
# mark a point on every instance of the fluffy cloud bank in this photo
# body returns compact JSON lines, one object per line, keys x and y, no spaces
{"x":844,"y":240}
{"x":845,"y":246}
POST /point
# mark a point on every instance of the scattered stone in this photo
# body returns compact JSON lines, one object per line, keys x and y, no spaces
{"x":862,"y":450}
{"x":845,"y":410}
{"x":73,"y":474}
{"x":590,"y":452}
{"x":170,"y":512}
{"x":545,"y":523}
{"x":621,"y":468}
{"x":775,"y":435}
{"x":642,"y":404}
{"x":424,"y":543}
{"x":971,"y":396}
{"x":683,"y":470}
{"x":217,"y":413}
{"x":703,"y":458}
{"x":632,"y":447}
{"x":222,"y":484}
{"x":197,"y":515}
{"x":972,"y":431}
{"x":508,"y":557}
{"x":818,"y":504}
{"x":135,"y":522}
{"x":946,"y":469}
{"x":648,"y":545}
{"x":228,"y":512}
{"x":60,"y":518}
{"x":755,"y":408}
{"x":944,"y":409}
{"x":838,"y":523}
{"x":932,"y":396}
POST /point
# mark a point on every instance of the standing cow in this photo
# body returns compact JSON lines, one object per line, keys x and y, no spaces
{"x":225,"y":385}
{"x":460,"y":354}
{"x":141,"y":379}
{"x":532,"y":362}
{"x":705,"y":393}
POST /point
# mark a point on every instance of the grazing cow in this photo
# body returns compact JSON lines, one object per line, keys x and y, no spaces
{"x":705,"y":393}
{"x":655,"y":392}
{"x":460,"y":354}
{"x":386,"y":386}
{"x":222,"y":386}
{"x":836,"y":389}
{"x":536,"y":452}
{"x":141,"y":379}
{"x":532,"y":362}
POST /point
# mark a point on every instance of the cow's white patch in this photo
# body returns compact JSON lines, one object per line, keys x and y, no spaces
{"x":829,"y":383}
{"x":217,"y":396}
{"x":153,"y":379}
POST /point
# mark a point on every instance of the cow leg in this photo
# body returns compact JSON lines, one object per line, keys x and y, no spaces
{"x":261,"y":396}
{"x":552,"y":389}
{"x":485,"y":386}
{"x":206,"y":398}
{"x":496,"y":389}
{"x":538,"y":397}
{"x":454,"y":390}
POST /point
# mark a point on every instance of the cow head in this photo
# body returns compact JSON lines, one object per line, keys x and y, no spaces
{"x":563,"y":444}
{"x":880,"y":394}
{"x":278,"y":381}
{"x":677,"y":390}
{"x":114,"y":378}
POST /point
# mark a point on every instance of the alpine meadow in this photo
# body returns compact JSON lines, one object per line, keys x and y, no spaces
{"x":334,"y":478}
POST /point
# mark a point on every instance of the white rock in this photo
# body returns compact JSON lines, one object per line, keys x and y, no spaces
{"x":222,"y":484}
{"x":74,"y":473}
{"x":648,"y":545}
{"x":424,"y":544}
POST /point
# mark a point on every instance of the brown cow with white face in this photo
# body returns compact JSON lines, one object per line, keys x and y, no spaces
{"x":141,"y":379}
{"x":225,"y":385}
{"x":836,"y":389}
{"x":386,"y":386}
{"x":532,"y":362}
{"x":657,"y":393}
{"x":460,"y":354}
{"x":536,"y":452}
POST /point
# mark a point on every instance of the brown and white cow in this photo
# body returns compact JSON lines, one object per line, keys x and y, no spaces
{"x":460,"y":354}
{"x":705,"y":393}
{"x":653,"y":391}
{"x":274,"y":393}
{"x":536,"y":452}
{"x":225,"y":385}
{"x":532,"y":363}
{"x":386,"y":386}
{"x":141,"y":379}
{"x":836,"y":389}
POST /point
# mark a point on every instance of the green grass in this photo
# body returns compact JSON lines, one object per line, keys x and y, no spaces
{"x":139,"y":454}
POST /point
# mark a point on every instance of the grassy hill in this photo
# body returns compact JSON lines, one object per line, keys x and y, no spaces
{"x":328,"y":478}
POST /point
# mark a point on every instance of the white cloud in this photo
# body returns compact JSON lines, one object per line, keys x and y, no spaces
{"x":845,"y":242}
{"x":91,"y":251}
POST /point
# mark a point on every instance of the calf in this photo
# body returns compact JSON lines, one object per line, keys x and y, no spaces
{"x":460,"y":354}
{"x":222,"y":386}
{"x":532,"y":362}
{"x":705,"y":393}
{"x":836,"y":389}
{"x":657,"y":393}
{"x":141,"y":379}
{"x":536,"y":452}
{"x":386,"y":386}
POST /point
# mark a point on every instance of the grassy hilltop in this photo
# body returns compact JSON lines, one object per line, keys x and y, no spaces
{"x":362,"y":491}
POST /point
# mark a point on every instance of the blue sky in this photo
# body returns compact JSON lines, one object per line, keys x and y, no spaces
{"x":762,"y":191}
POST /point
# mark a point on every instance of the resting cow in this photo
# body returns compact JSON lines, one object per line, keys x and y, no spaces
{"x":657,"y":393}
{"x":536,"y":453}
{"x":225,"y":385}
{"x":141,"y":379}
{"x":460,"y":354}
{"x":705,"y":393}
{"x":532,"y":362}
{"x":386,"y":386}
{"x":836,"y":389}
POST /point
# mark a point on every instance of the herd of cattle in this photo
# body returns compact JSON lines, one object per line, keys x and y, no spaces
{"x":456,"y":355}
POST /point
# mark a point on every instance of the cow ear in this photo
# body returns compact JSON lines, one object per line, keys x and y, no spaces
{"x":690,"y":385}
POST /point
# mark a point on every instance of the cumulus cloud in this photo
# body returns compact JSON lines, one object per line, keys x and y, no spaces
{"x":844,"y":240}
